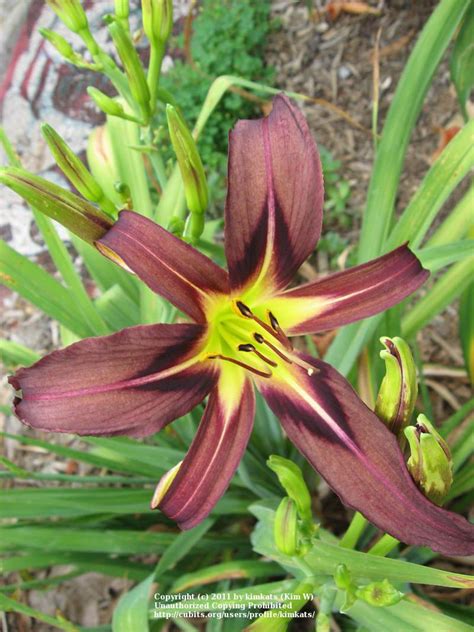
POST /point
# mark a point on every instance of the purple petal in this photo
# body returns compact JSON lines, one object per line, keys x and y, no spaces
{"x":360,"y":458}
{"x":133,"y":382}
{"x":214,"y":454}
{"x":168,"y":265}
{"x":350,"y":295}
{"x":275,"y":198}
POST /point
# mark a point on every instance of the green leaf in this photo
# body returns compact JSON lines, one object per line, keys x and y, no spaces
{"x":25,"y":277}
{"x":457,"y":224}
{"x":131,"y":612}
{"x":440,"y":256}
{"x":443,"y":292}
{"x":462,"y":60}
{"x":466,"y":328}
{"x":401,"y":118}
{"x":12,"y":605}
{"x":13,"y":354}
{"x":117,"y":308}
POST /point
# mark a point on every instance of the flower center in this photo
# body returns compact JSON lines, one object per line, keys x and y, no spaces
{"x":256,"y":344}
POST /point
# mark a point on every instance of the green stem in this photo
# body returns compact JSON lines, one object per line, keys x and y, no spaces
{"x":353,"y":533}
{"x":157,"y":52}
{"x":383,"y":547}
{"x":158,"y":167}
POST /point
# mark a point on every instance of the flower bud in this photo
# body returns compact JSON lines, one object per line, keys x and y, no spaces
{"x":430,"y":463}
{"x":164,"y":485}
{"x":343,"y":577}
{"x":71,"y":13}
{"x":291,"y":479}
{"x":63,"y":47}
{"x":157,"y":16}
{"x":189,"y":161}
{"x":76,"y":214}
{"x":102,"y":162}
{"x":399,"y":389}
{"x":75,"y":171}
{"x":109,"y":106}
{"x":379,"y":594}
{"x":176,"y":226}
{"x":132,"y":66}
{"x":286,"y":527}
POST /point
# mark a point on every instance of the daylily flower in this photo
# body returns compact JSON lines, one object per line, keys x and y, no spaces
{"x":136,"y":381}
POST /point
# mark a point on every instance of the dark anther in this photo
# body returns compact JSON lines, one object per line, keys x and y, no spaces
{"x":259,"y":338}
{"x":246,"y":347}
{"x":274,"y":322}
{"x":244,"y":310}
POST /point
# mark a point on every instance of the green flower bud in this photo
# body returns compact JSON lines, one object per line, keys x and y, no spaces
{"x":379,"y":594}
{"x":343,"y":577}
{"x":75,"y":171}
{"x":109,"y":106}
{"x":132,"y":66}
{"x":189,"y":161}
{"x":157,"y":16}
{"x":430,"y":463}
{"x":102,"y":162}
{"x":76,"y":214}
{"x":291,"y":479}
{"x":71,"y":13}
{"x":194,"y":227}
{"x":63,"y":47}
{"x":399,"y":389}
{"x":286,"y":527}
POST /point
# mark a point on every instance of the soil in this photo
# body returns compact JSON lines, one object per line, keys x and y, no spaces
{"x":330,"y":59}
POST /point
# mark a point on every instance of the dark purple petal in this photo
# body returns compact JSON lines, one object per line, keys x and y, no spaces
{"x":360,"y":458}
{"x":168,"y":265}
{"x":133,"y":382}
{"x":275,"y":198}
{"x":350,"y":295}
{"x":214,"y":454}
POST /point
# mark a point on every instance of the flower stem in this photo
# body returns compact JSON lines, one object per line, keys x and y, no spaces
{"x":157,"y":52}
{"x":353,"y":533}
{"x":383,"y":547}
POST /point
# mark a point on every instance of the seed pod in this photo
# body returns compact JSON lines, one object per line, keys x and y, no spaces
{"x":79,"y":216}
{"x":379,"y":594}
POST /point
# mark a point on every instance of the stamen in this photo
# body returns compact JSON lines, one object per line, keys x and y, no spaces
{"x":260,"y":339}
{"x":244,"y":310}
{"x":250,"y":348}
{"x":274,"y":322}
{"x":241,"y":364}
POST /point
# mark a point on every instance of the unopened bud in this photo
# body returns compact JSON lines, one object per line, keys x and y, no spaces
{"x":286,"y":527}
{"x":189,"y":161}
{"x":122,"y":9}
{"x":399,"y":389}
{"x":430,"y":463}
{"x":102,"y":162}
{"x":291,"y":479}
{"x":132,"y":66}
{"x":157,"y":16}
{"x":109,"y":106}
{"x":79,"y":216}
{"x":343,"y":577}
{"x":63,"y":47}
{"x":75,"y":171}
{"x":71,"y":13}
{"x":176,"y":226}
{"x":379,"y":594}
{"x":164,"y":485}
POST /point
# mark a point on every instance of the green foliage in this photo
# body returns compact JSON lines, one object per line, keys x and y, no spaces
{"x":228,"y":38}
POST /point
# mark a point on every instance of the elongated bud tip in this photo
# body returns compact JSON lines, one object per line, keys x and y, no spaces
{"x":292,"y":481}
{"x":104,"y":102}
{"x":71,"y":13}
{"x":189,"y":161}
{"x":78,"y":215}
{"x":399,"y":389}
{"x":63,"y":47}
{"x":430,"y":463}
{"x":157,"y":16}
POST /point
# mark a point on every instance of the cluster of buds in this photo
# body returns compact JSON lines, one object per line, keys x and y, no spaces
{"x":294,"y":526}
{"x":429,"y":463}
